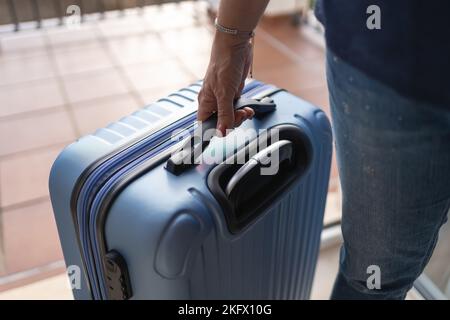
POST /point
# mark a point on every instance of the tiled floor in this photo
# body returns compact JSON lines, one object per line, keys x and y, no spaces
{"x":58,"y":84}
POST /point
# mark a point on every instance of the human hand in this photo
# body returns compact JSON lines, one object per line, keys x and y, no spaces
{"x":224,"y":80}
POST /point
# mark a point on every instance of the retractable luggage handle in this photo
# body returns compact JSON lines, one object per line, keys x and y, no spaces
{"x":184,"y":159}
{"x":260,"y":106}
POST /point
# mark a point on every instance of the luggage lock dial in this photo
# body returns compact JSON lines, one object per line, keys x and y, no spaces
{"x":117,"y":278}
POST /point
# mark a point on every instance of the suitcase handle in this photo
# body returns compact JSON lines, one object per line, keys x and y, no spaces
{"x":271,"y":157}
{"x":245,"y":191}
{"x":191,"y":150}
{"x":260,"y":106}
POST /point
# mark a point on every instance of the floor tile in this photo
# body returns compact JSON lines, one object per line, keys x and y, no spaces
{"x":196,"y":64}
{"x":65,"y":36}
{"x":137,"y":49}
{"x":91,"y":85}
{"x":326,"y":270}
{"x":89,"y":57}
{"x":170,"y":16}
{"x":317,"y":96}
{"x":188,"y":40}
{"x":30,"y":237}
{"x":294,"y":77}
{"x":266,"y":56}
{"x":123,"y":26}
{"x":334,"y":174}
{"x":293,"y":38}
{"x":30,"y":96}
{"x":33,"y":132}
{"x":163,"y":74}
{"x":25,"y":177}
{"x":24,"y":43}
{"x":333,"y":211}
{"x":53,"y":288}
{"x":99,"y":113}
{"x":25,"y":69}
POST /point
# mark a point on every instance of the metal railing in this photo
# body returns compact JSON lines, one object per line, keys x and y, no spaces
{"x":16,"y":12}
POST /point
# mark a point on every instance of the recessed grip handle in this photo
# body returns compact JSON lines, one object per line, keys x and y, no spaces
{"x":272,"y":157}
{"x":182,"y":159}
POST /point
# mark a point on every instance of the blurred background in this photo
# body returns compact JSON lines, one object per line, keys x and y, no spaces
{"x":69,"y":67}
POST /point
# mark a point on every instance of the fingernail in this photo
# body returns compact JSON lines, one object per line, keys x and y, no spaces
{"x":221,"y":130}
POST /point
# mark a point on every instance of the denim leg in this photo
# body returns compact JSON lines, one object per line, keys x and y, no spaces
{"x":394,"y":163}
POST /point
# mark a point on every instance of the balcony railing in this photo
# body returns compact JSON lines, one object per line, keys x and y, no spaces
{"x":17,"y":12}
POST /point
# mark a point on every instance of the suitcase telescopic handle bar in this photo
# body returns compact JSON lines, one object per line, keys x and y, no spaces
{"x":191,"y":150}
{"x":261,"y":108}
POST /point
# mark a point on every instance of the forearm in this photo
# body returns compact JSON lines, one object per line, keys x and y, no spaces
{"x":241,"y":14}
{"x":230,"y":62}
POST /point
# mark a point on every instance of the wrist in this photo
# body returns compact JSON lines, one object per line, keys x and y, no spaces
{"x":245,"y":33}
{"x":228,"y":35}
{"x":229,"y":40}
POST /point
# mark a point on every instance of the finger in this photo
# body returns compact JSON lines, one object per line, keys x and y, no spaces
{"x":206,"y":105}
{"x":239,"y":117}
{"x":225,"y":114}
{"x":249,"y":112}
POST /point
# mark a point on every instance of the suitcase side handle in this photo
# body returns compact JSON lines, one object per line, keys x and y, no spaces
{"x":274,"y":161}
{"x":191,"y":150}
{"x":247,"y":176}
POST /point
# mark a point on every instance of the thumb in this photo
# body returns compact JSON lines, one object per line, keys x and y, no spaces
{"x":225,"y":114}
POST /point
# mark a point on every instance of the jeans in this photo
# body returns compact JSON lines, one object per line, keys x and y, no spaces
{"x":393,"y":156}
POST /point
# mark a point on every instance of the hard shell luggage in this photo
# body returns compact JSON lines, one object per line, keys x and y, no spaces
{"x":136,"y":223}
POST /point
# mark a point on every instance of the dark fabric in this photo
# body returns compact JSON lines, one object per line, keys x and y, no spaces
{"x":393,"y":156}
{"x":411,"y":52}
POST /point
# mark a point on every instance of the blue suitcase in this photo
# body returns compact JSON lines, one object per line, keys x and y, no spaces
{"x":136,"y":224}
